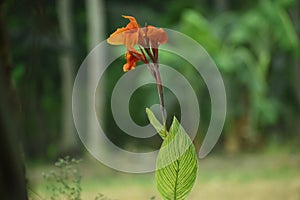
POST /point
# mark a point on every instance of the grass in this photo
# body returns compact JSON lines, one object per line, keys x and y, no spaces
{"x":274,"y":176}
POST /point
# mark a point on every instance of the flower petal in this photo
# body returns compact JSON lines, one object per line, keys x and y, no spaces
{"x":126,"y":35}
{"x":117,"y":37}
{"x":131,"y":61}
{"x":131,"y":38}
{"x":133,"y":23}
{"x":156,"y":36}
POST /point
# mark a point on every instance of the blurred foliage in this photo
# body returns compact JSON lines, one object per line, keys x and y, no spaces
{"x":245,"y":48}
{"x":255,"y":44}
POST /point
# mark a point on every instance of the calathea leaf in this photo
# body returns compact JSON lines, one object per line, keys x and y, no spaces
{"x":176,"y":164}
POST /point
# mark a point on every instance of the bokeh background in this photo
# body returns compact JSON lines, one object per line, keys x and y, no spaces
{"x":255,"y":45}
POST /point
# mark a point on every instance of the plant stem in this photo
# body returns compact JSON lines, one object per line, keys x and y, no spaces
{"x":160,"y":93}
{"x":155,"y":73}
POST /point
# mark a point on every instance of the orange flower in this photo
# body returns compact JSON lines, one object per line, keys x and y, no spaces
{"x":146,"y":37}
{"x":132,"y":57}
{"x":127,"y":35}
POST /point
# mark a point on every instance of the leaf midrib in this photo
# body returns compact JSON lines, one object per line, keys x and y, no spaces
{"x":176,"y":180}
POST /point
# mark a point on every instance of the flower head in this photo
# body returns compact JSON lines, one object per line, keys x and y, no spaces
{"x":147,"y":38}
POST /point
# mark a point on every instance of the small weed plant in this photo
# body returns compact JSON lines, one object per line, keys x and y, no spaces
{"x":65,"y":182}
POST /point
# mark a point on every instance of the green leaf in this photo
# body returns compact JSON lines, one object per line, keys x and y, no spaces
{"x":160,"y":129}
{"x":176,"y":164}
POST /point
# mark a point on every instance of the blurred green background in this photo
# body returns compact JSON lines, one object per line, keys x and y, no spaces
{"x":255,"y":45}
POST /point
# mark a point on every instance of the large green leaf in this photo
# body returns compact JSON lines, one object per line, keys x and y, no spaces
{"x":160,"y":129}
{"x":176,"y":164}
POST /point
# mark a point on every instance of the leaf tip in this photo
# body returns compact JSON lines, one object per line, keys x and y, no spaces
{"x":175,"y":120}
{"x":147,"y":110}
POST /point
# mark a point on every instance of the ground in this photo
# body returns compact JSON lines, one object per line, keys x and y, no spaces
{"x":265,"y":176}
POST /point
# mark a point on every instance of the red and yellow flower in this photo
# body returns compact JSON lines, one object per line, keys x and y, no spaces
{"x":132,"y":35}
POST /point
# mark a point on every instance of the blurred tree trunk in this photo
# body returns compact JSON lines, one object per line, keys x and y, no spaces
{"x":12,"y":171}
{"x":296,"y":65}
{"x":95,"y":33}
{"x":221,"y":5}
{"x":296,"y":75}
{"x":64,"y":10}
{"x":238,"y":129}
